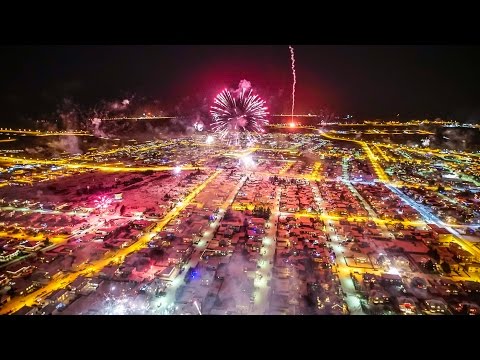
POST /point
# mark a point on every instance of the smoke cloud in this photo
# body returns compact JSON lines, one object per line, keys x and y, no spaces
{"x":243,"y":85}
{"x":198,"y":125}
{"x":96,"y":122}
{"x":426,"y":142}
{"x":68,"y":144}
{"x":116,"y":106}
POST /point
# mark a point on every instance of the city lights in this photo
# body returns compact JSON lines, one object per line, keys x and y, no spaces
{"x":210,"y":139}
{"x":223,"y":205}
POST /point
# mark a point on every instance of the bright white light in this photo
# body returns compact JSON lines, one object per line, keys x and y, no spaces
{"x":292,"y":125}
{"x":393,"y":271}
{"x":248,"y":161}
{"x":119,"y":310}
{"x":425,"y":142}
{"x":210,"y":139}
{"x":198,"y":309}
{"x":103,"y":202}
{"x":177,"y":170}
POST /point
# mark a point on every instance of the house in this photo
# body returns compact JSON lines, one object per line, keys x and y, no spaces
{"x":258,"y":221}
{"x":360,"y":258}
{"x":168,"y":273}
{"x":57,"y":297}
{"x":468,"y":308}
{"x":48,"y":309}
{"x":183,"y":248}
{"x":454,"y":266}
{"x":24,"y":286}
{"x":369,"y":278}
{"x":19,"y":270}
{"x":447,"y":290}
{"x":26,"y":310}
{"x":440,"y":233}
{"x":30,"y":246}
{"x":378,"y":297}
{"x":4,"y":280}
{"x":207,"y":278}
{"x":197,"y":229}
{"x":461,"y":254}
{"x":436,"y":305}
{"x":471,"y":287}
{"x":40,"y":277}
{"x":8,"y":255}
{"x":175,"y":258}
{"x":401,"y":262}
{"x":383,"y":260}
{"x":472,"y":267}
{"x":392,"y":279}
{"x":78,"y":283}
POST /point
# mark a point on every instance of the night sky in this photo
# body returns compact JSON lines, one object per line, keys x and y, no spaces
{"x":367,"y":81}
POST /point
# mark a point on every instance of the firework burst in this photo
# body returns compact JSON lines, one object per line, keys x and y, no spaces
{"x":103,"y":202}
{"x":238,"y":116}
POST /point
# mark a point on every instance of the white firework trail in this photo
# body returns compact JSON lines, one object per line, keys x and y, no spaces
{"x":292,"y":57}
{"x":198,"y":309}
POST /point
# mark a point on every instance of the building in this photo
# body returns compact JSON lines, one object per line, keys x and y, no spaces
{"x":468,"y":308}
{"x":369,"y":278}
{"x":4,"y":299}
{"x":57,"y":297}
{"x":26,"y":310}
{"x":407,"y":305}
{"x":30,"y":246}
{"x":49,"y":309}
{"x":8,"y":255}
{"x":401,"y":262}
{"x":4,"y":280}
{"x":361,"y":258}
{"x":440,"y":233}
{"x":78,"y":283}
{"x":378,"y":297}
{"x":19,"y":270}
{"x":472,"y":268}
{"x":168,"y":273}
{"x":392,"y":279}
{"x":436,"y":306}
{"x":471,"y":287}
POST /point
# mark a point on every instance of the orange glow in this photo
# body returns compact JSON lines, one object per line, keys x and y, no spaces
{"x":292,"y":124}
